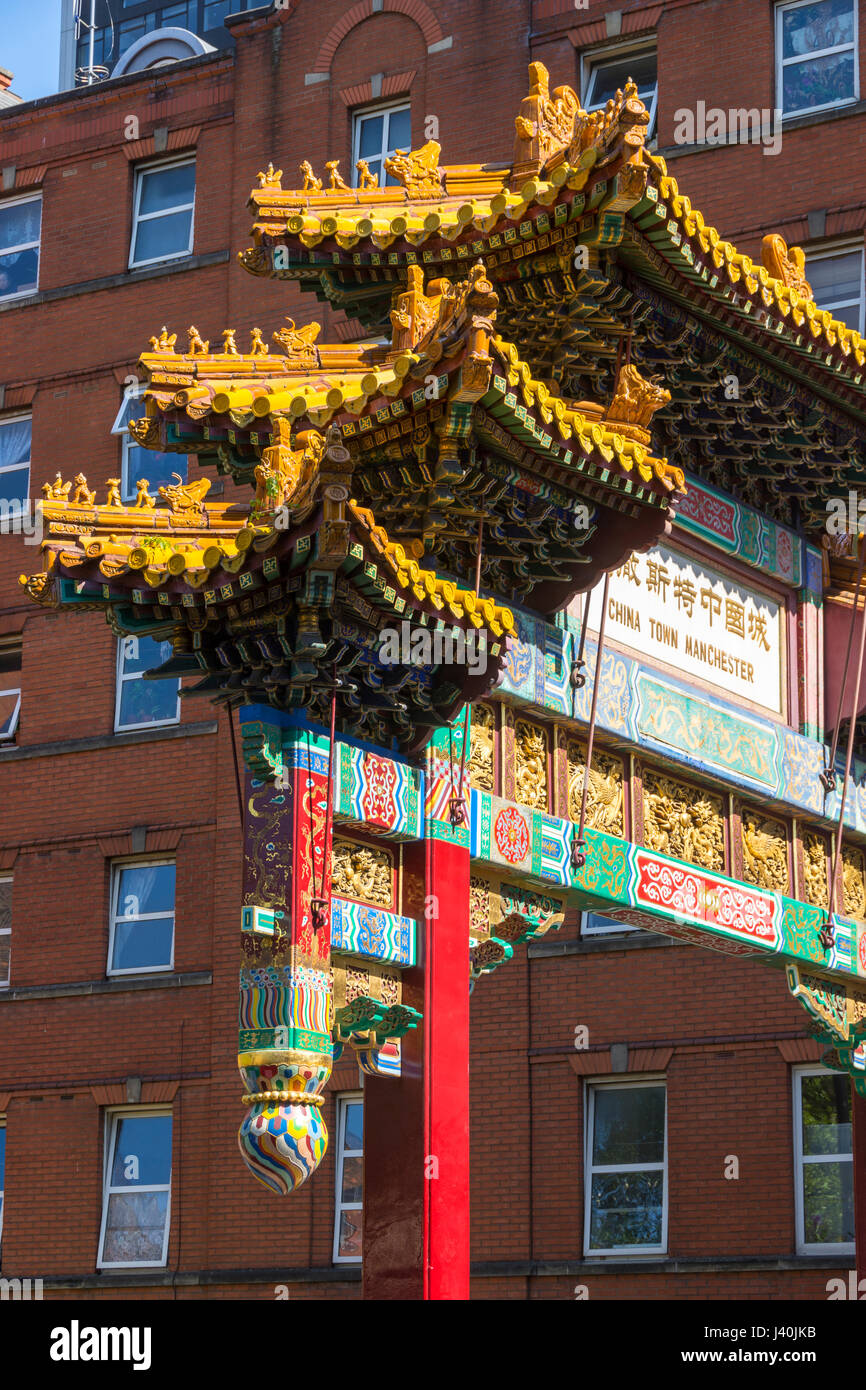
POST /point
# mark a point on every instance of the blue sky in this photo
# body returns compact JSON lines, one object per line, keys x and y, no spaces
{"x":30,"y":45}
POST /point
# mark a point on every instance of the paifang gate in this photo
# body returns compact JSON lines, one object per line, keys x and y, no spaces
{"x":543,"y":388}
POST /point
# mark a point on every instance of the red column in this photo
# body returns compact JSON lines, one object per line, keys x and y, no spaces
{"x":858,"y":1115}
{"x":416,"y":1129}
{"x":446,"y":1073}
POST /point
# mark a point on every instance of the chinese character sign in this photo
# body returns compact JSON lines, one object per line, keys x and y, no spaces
{"x":677,"y":612}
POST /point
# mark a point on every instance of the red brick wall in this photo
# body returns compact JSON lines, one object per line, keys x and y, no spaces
{"x":729,"y":1089}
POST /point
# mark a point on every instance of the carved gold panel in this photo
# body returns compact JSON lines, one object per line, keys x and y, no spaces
{"x":605,"y":797}
{"x":365,"y":978}
{"x":482,"y":748}
{"x":765,"y":850}
{"x":531,"y":762}
{"x":683,"y":821}
{"x":479,"y":906}
{"x":853,"y":881}
{"x":815,"y":878}
{"x":362,"y":872}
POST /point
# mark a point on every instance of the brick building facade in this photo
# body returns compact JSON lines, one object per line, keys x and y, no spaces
{"x":97,"y":779}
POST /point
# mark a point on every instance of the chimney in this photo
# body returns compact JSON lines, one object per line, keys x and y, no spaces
{"x":5,"y":78}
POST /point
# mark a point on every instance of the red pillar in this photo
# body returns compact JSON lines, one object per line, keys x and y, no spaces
{"x":416,"y":1129}
{"x":858,"y":1115}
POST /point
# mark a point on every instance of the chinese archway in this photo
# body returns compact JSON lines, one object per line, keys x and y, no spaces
{"x":447,"y":485}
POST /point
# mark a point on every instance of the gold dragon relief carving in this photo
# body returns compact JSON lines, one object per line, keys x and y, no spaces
{"x":362,"y":872}
{"x":765,"y":850}
{"x":853,"y":882}
{"x":479,"y":906}
{"x":815,"y":881}
{"x":683,"y":821}
{"x":605,"y":796}
{"x":530,"y":755}
{"x":482,"y":746}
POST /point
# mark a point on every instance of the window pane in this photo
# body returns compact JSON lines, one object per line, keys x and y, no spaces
{"x":148,"y":702}
{"x":826,"y":1114}
{"x":818,"y":82}
{"x":353,"y":1180}
{"x":399,"y":130}
{"x":828,"y":1202}
{"x":370,"y":141}
{"x":5,"y":957}
{"x":20,"y":223}
{"x":6,"y":905}
{"x":142,"y":1151}
{"x":142,"y":945}
{"x":354,"y":1125}
{"x":135,"y":1228}
{"x":146,"y":888}
{"x":163,"y":236}
{"x":611,"y":77}
{"x":835,"y":278}
{"x":9,"y":705}
{"x":15,"y":437}
{"x":825,"y":24}
{"x":350,"y":1233}
{"x":167,"y":188}
{"x":2,"y":1155}
{"x":626,"y":1209}
{"x":14,"y":485}
{"x":143,"y":654}
{"x":629,"y":1125}
{"x":18,"y":272}
{"x":151,"y":464}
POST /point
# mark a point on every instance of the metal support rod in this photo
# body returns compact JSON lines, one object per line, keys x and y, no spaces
{"x":830,"y":778}
{"x":478,"y":557}
{"x":577,"y":850}
{"x":848,"y":757}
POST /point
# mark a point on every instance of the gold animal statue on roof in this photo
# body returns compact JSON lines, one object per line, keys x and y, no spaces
{"x":58,"y":490}
{"x":335,"y":178}
{"x":258,"y":346}
{"x":83,"y":496}
{"x":270,"y":177}
{"x":417,"y":170}
{"x":230,"y":347}
{"x":198,"y":346}
{"x":142,"y":495}
{"x":184,"y":497}
{"x":786,"y":263}
{"x":297,"y":341}
{"x":366,"y":180}
{"x":114,"y":498}
{"x":164,"y":342}
{"x":311,"y":183}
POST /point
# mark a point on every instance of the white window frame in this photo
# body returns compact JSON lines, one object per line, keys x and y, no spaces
{"x":111,"y":1118}
{"x":596,"y":56}
{"x":119,"y":680}
{"x":24,"y":245}
{"x":140,"y":171}
{"x":2,"y":1185}
{"x":344,"y":1100}
{"x":782,"y":63}
{"x":609,"y":927}
{"x":621,"y":1084}
{"x":392,"y":107}
{"x":800,"y":1160}
{"x":117,"y":866}
{"x":7,"y":931}
{"x":843,"y":248}
{"x":8,"y":739}
{"x":16,"y":467}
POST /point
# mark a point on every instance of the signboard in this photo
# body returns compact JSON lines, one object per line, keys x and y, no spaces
{"x":681,"y":613}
